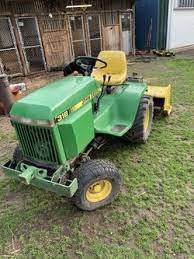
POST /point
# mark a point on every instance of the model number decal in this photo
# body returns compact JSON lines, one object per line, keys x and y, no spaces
{"x":76,"y":107}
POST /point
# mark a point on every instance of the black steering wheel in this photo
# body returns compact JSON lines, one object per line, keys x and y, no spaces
{"x":88,"y":64}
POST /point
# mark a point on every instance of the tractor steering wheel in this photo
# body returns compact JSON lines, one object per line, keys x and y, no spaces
{"x":88,"y":64}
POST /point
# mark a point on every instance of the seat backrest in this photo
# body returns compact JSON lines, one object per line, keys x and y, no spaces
{"x":116,"y":61}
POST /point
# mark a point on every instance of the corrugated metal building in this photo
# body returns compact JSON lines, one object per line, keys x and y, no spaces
{"x":151,"y":24}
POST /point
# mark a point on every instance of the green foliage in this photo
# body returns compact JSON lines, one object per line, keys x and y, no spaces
{"x":151,"y":217}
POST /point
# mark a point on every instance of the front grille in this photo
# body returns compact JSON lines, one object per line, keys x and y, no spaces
{"x":37,"y":143}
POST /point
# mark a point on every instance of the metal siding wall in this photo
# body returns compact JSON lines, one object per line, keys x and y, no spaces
{"x":139,"y":22}
{"x":145,"y":11}
{"x":153,"y":14}
{"x":162,"y":24}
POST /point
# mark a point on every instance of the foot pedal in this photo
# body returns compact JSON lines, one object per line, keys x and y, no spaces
{"x":118,"y":128}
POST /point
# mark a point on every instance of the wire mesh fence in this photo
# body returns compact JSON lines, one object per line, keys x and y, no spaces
{"x":8,"y":50}
{"x":34,"y":59}
{"x":10,"y":61}
{"x":31,"y":43}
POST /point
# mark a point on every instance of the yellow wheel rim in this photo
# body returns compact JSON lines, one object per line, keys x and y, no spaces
{"x":99,"y":191}
{"x":146,"y":120}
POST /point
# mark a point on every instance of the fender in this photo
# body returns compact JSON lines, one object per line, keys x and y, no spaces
{"x":118,"y":110}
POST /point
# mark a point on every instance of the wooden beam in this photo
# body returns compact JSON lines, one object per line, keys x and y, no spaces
{"x":1,"y":67}
{"x":18,"y":44}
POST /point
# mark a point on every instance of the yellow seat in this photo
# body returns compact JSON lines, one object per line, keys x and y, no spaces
{"x":116,"y":67}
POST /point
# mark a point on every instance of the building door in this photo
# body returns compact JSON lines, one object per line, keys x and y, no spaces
{"x":126,"y":32}
{"x":85,"y":33}
{"x":112,"y":37}
{"x":31,"y":43}
{"x":8,"y":50}
{"x":77,"y":34}
{"x":94,"y":34}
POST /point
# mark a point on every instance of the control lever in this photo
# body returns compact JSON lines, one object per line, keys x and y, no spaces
{"x":109,"y":87}
{"x":104,"y":79}
{"x":109,"y":79}
{"x":102,"y":92}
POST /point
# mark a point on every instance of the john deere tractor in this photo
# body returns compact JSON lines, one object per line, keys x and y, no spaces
{"x":60,"y":124}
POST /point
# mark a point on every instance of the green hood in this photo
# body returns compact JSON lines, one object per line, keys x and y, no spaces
{"x":54,"y":98}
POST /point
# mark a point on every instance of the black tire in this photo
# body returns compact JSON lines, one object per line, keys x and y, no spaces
{"x":17,"y":155}
{"x":138,"y":133}
{"x":94,"y":172}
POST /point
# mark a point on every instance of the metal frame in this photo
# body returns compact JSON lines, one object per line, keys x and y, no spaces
{"x":32,"y":176}
{"x":104,"y":12}
{"x":14,"y":43}
{"x":34,"y":46}
{"x":184,"y":4}
{"x":88,"y":31}
{"x":71,"y":37}
{"x":131,"y":28}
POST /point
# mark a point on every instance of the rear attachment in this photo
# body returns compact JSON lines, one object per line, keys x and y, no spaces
{"x":161,"y":97}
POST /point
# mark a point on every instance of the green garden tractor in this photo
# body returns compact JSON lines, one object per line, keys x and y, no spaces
{"x":59,"y":125}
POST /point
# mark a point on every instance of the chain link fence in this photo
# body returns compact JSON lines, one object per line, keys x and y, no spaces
{"x":8,"y":51}
{"x":31,"y":43}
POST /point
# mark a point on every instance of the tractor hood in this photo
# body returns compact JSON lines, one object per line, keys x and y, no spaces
{"x":55,"y":98}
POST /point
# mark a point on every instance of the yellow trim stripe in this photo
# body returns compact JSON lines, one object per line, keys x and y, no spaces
{"x":77,"y":106}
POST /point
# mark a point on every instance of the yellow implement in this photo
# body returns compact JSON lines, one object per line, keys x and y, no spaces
{"x":161,"y":96}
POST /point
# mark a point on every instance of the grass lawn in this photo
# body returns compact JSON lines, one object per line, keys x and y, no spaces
{"x":152,"y":216}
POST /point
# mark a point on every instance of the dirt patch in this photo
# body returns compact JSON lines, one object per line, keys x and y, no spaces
{"x":15,"y":198}
{"x":5,"y":126}
{"x":143,"y":214}
{"x":136,"y":159}
{"x":158,"y":249}
{"x":2,"y":176}
{"x":186,"y":53}
{"x":7,"y":138}
{"x":190,"y":188}
{"x":93,"y":217}
{"x":7,"y":148}
{"x":38,"y":80}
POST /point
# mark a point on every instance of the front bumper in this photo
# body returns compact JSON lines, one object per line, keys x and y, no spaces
{"x":38,"y":177}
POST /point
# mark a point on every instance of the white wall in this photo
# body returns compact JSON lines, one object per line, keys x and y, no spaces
{"x":180,"y":27}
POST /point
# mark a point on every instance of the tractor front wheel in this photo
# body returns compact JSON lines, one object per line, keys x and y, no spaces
{"x":142,"y":126}
{"x":98,"y":184}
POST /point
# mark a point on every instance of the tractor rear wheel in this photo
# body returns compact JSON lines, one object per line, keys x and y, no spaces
{"x":142,"y":126}
{"x":98,"y":184}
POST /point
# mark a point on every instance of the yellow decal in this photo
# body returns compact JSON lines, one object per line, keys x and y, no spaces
{"x":61,"y":116}
{"x":77,"y":106}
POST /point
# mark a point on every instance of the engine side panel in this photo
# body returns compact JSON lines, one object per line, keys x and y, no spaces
{"x":77,"y":131}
